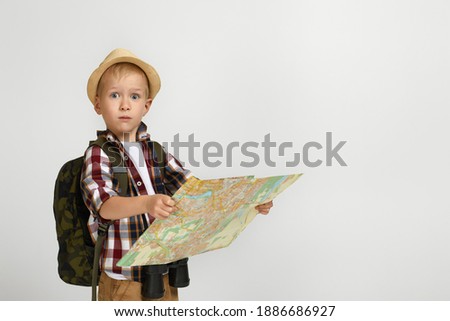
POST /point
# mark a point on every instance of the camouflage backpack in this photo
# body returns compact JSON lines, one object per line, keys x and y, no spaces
{"x":78,"y":257}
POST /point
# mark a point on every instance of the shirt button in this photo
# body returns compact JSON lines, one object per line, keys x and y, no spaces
{"x":139,"y":183}
{"x":126,"y":158}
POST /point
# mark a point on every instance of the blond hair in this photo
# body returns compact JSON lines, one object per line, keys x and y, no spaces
{"x":122,"y":69}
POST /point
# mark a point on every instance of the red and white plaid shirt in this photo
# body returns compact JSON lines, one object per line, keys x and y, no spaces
{"x":98,"y":186}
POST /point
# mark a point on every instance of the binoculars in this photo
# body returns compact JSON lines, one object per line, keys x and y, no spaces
{"x":153,"y":286}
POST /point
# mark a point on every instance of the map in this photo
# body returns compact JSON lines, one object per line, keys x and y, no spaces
{"x":210,"y":215}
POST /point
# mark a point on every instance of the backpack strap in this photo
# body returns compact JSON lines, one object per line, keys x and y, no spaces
{"x":121,"y":174}
{"x":101,"y":234}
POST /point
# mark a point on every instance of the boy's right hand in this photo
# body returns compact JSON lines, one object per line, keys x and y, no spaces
{"x":160,"y":206}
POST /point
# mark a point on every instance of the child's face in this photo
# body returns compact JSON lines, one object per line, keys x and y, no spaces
{"x":123,"y":103}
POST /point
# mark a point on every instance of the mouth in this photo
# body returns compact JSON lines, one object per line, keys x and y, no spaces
{"x":124,"y":118}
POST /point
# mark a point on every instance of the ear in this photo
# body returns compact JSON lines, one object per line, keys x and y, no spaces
{"x":147,"y":106}
{"x":97,"y":108}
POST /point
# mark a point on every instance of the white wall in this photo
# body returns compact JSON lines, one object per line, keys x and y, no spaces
{"x":374,"y":73}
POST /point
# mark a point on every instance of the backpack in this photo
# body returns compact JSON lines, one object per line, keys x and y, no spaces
{"x":78,"y":257}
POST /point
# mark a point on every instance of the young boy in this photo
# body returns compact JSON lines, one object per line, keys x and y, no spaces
{"x":122,"y":90}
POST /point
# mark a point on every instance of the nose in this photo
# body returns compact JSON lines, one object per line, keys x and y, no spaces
{"x":124,"y":105}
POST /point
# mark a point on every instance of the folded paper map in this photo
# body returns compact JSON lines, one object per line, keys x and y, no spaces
{"x":211,"y":214}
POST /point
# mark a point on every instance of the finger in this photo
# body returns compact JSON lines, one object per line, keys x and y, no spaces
{"x":169,"y":201}
{"x":263,"y":207}
{"x":161,"y":214}
{"x":167,"y":209}
{"x":269,"y":204}
{"x":165,"y":201}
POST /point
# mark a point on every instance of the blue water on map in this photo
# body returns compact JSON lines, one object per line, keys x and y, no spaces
{"x":195,"y":197}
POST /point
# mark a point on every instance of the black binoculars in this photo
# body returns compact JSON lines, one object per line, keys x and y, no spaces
{"x":153,"y":286}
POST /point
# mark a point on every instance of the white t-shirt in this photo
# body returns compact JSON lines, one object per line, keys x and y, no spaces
{"x":136,"y":154}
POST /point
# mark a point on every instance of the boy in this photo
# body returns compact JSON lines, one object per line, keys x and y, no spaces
{"x":122,"y":90}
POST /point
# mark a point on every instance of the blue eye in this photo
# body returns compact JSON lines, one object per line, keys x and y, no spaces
{"x":114,"y":95}
{"x":135,"y":96}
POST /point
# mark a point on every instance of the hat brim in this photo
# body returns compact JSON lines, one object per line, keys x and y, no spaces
{"x":150,"y":72}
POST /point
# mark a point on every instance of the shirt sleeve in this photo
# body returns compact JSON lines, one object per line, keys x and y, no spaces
{"x":175,"y":175}
{"x":97,"y":183}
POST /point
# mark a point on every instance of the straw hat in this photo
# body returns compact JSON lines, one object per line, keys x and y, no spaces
{"x":117,"y":56}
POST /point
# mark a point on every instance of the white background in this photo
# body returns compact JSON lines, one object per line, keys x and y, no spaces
{"x":374,"y":73}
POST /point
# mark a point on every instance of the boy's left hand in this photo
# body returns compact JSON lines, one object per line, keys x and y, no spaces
{"x":264,"y":208}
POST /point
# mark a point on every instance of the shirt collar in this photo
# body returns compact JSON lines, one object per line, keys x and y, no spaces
{"x":141,"y":134}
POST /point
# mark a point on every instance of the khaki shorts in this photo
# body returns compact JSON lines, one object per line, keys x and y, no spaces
{"x":123,"y":290}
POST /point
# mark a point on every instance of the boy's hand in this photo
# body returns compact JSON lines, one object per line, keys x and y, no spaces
{"x":264,"y":208}
{"x":160,"y":206}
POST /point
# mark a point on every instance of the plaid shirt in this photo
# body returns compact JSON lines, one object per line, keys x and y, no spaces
{"x":98,"y":185}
